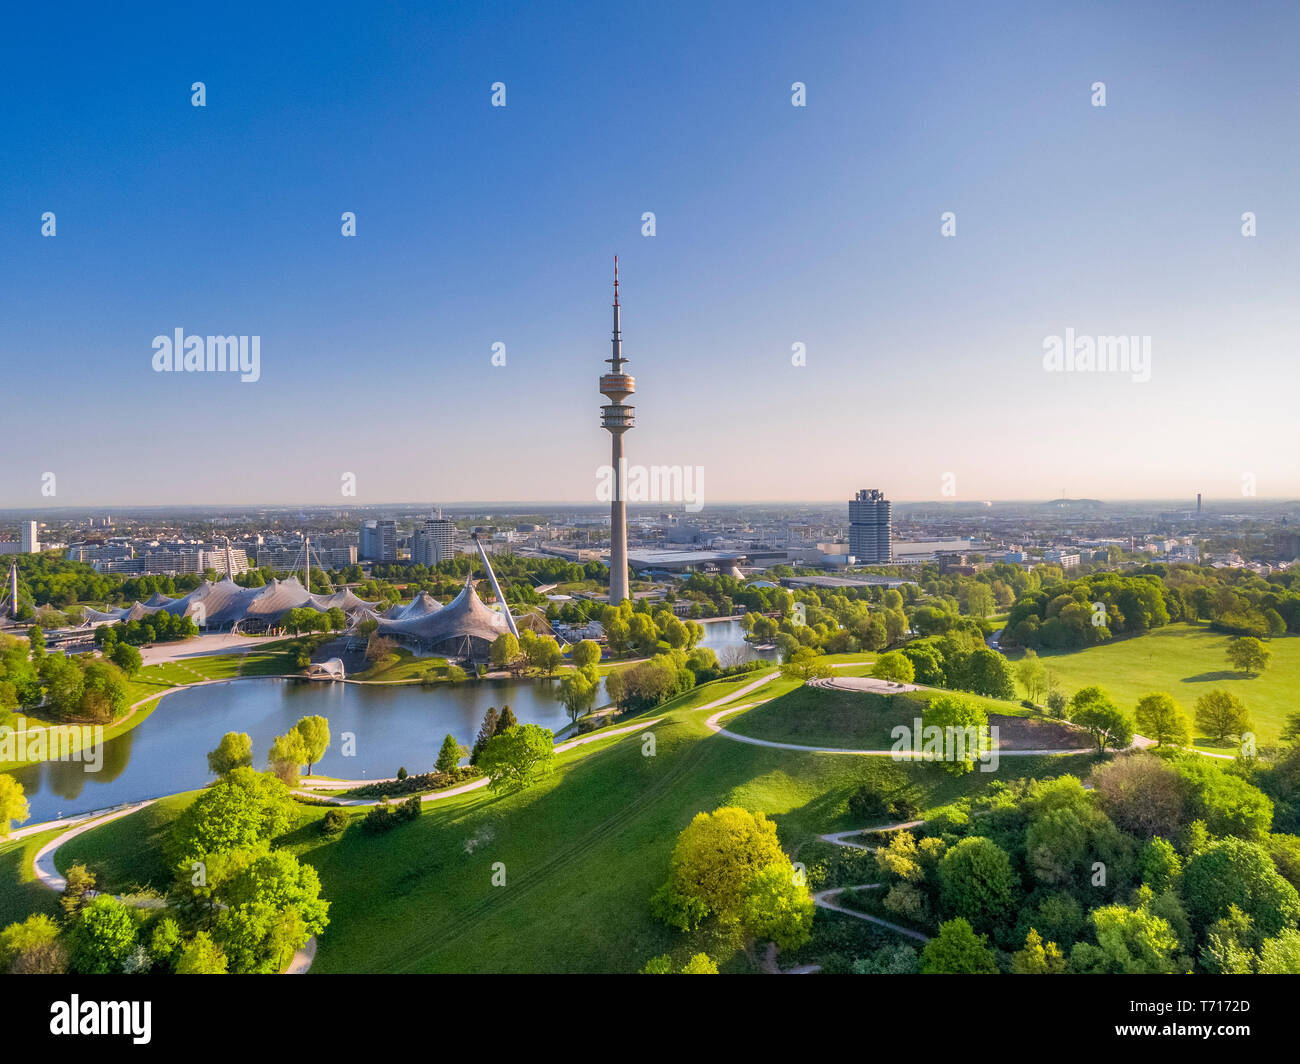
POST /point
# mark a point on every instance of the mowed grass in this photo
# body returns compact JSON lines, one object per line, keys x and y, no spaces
{"x":21,"y":894}
{"x":1187,"y":661}
{"x":127,"y":854}
{"x":581,"y":852}
{"x":859,"y":720}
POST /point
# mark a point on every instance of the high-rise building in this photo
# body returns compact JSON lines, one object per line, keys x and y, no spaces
{"x":433,"y":541}
{"x":379,"y":541}
{"x":871,"y":528}
{"x":616,"y":418}
{"x":31,"y":540}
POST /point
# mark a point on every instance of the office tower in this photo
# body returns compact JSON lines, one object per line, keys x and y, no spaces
{"x":870,"y":528}
{"x":31,"y":542}
{"x":433,"y":541}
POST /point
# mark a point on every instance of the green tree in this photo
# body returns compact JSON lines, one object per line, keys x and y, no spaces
{"x":13,"y":804}
{"x":272,"y":906}
{"x":287,"y":755}
{"x":716,"y":856}
{"x":988,"y":673}
{"x":103,"y":934}
{"x":126,"y":658}
{"x":977,"y":883}
{"x":201,"y":956}
{"x":1032,"y":674}
{"x":1220,"y":715}
{"x":1162,"y":719}
{"x":805,"y":664}
{"x":449,"y":757}
{"x":963,"y":724}
{"x":957,"y":950}
{"x":315,"y":734}
{"x":1037,"y":958}
{"x":577,"y":693}
{"x":1231,"y":872}
{"x":504,"y":651}
{"x":777,"y":907}
{"x":585,"y":654}
{"x":234,"y":750}
{"x":1248,"y":654}
{"x":518,"y":757}
{"x":1092,"y":709}
{"x":700,"y":964}
{"x":18,"y":940}
{"x":1129,"y":941}
{"x":894,"y":666}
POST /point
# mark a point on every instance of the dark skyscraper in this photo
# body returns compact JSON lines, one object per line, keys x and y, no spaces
{"x":871,"y":528}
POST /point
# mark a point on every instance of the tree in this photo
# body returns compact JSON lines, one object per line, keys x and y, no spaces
{"x":1129,"y":942}
{"x":577,"y":693}
{"x":700,"y":964}
{"x":978,"y":599}
{"x":1092,"y":709}
{"x":455,"y":674}
{"x":716,"y":856}
{"x":272,"y":906}
{"x":126,"y":658}
{"x":234,"y":750}
{"x":964,"y":727}
{"x":506,"y":720}
{"x":1162,"y":719}
{"x":777,"y":907}
{"x":36,"y":641}
{"x":315,"y":733}
{"x":977,"y":883}
{"x":518,"y":757}
{"x":486,"y":731}
{"x":894,"y":666}
{"x":78,"y":887}
{"x":103,"y":934}
{"x":957,"y":950}
{"x":1221,"y":715}
{"x":20,"y":941}
{"x":287,"y":755}
{"x":13,"y":804}
{"x":201,"y":956}
{"x":1248,"y":654}
{"x":988,"y":673}
{"x":505,"y":649}
{"x":805,"y":664}
{"x":1143,"y":794}
{"x":1037,"y":958}
{"x":1235,"y":872}
{"x":1280,"y":955}
{"x":1032,"y":674}
{"x":449,"y":757}
{"x":585,"y":654}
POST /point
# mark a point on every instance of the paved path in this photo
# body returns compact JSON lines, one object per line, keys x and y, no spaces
{"x":826,"y":898}
{"x":868,"y":684}
{"x":43,"y":863}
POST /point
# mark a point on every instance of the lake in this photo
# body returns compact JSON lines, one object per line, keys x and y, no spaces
{"x":391,"y":727}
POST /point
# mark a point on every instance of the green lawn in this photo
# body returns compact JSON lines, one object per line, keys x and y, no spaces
{"x":127,"y":854}
{"x":858,"y":720}
{"x":1186,"y":661}
{"x":20,"y":893}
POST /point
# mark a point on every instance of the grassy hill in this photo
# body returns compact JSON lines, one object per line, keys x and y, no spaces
{"x":1186,"y":661}
{"x":582,"y":853}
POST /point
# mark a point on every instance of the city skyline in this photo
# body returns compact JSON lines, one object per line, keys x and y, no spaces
{"x":778,"y":229}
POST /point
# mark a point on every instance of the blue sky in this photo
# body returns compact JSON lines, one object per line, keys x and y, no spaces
{"x":775,"y":225}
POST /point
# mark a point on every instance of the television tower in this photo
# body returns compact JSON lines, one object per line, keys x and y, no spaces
{"x":616,"y":419}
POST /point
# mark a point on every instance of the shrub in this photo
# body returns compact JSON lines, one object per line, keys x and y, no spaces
{"x":333,"y":822}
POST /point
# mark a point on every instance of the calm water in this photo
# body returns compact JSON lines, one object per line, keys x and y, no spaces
{"x":394,"y":727}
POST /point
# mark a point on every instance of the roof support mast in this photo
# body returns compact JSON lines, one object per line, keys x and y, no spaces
{"x":496,"y":588}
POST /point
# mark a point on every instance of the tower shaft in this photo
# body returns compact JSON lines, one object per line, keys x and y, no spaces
{"x":617,"y":417}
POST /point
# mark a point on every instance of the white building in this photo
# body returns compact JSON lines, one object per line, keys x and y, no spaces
{"x":31,"y":543}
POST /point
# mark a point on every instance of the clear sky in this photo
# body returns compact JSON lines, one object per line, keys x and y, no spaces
{"x":775,"y":225}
